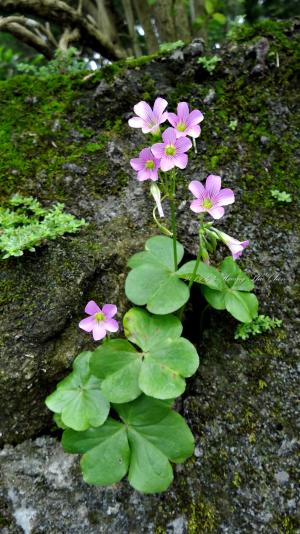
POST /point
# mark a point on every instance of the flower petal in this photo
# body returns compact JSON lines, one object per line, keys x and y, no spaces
{"x":173,"y":119}
{"x":158,"y":150}
{"x":183,"y":111}
{"x":99,"y":331}
{"x":109,"y":310}
{"x":169,"y":136}
{"x":183,"y":145}
{"x":167,"y":163}
{"x":216,"y":212}
{"x":193,"y":131}
{"x":197,"y":188}
{"x":136,"y":122}
{"x":146,"y":154}
{"x":143,"y":110}
{"x":159,"y":107}
{"x":153,"y":175}
{"x":213,"y":185}
{"x":225,"y":197}
{"x":195,"y":117}
{"x":87,"y":324}
{"x":92,"y":308}
{"x":181,"y":161}
{"x":196,"y":206}
{"x":111,"y":325}
{"x":137,"y":164}
{"x":143,"y":175}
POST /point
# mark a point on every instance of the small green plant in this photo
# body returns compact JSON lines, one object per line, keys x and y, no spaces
{"x":260,"y":324}
{"x":26,"y":224}
{"x":233,"y":125}
{"x":169,"y":47}
{"x":63,"y":62}
{"x":116,"y":405}
{"x":281,"y":196}
{"x":209,"y":63}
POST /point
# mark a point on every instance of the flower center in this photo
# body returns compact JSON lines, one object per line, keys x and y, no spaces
{"x":99,"y":316}
{"x":170,"y":150}
{"x":207,"y":203}
{"x":149,"y":164}
{"x":181,"y":126}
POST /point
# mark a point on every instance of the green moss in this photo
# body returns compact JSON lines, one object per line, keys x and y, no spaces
{"x":202,"y":518}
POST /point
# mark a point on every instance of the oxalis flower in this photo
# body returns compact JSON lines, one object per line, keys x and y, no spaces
{"x":172,"y":151}
{"x":148,"y":119}
{"x":186,"y":123}
{"x":99,"y":321}
{"x":146,"y":165}
{"x":236,"y":247}
{"x":210,"y":198}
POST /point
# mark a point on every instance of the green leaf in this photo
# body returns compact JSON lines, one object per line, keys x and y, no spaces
{"x":161,"y":248}
{"x":215,"y":298}
{"x":206,"y":274}
{"x":234,"y":277}
{"x":148,"y":331}
{"x":153,"y":282}
{"x":78,"y":398}
{"x":158,"y":371}
{"x":149,"y":437}
{"x":243,"y":306}
{"x":209,"y":6}
{"x":219,"y":17}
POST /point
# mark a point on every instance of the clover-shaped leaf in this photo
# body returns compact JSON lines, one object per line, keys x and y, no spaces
{"x":78,"y":397}
{"x":150,"y":436}
{"x":235,"y":296}
{"x":158,"y":371}
{"x":205,"y":274}
{"x":153,"y":281}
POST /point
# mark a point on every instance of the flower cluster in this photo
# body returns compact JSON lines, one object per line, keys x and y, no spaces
{"x":172,"y":151}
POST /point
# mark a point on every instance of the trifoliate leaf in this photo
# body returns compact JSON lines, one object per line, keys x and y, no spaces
{"x":153,"y":281}
{"x":159,"y":371}
{"x":149,"y":437}
{"x":78,"y":398}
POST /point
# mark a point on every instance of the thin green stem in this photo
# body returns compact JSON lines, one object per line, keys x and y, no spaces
{"x":198,"y":255}
{"x":173,"y":215}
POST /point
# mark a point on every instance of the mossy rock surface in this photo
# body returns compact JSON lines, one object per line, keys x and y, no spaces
{"x":67,"y":139}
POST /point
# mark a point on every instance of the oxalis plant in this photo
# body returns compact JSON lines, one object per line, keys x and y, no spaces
{"x":116,"y":405}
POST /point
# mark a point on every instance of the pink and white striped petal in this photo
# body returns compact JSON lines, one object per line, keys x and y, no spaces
{"x":99,"y":331}
{"x":159,"y":107}
{"x":183,"y":145}
{"x":196,"y":206}
{"x":92,"y":308}
{"x":87,"y":324}
{"x":109,"y":310}
{"x":181,"y":161}
{"x":136,"y":122}
{"x":111,"y":325}
{"x":213,"y":185}
{"x":216,"y":212}
{"x":224,"y":197}
{"x":197,"y":188}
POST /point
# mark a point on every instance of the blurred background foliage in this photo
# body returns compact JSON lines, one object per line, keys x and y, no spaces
{"x":40,"y":35}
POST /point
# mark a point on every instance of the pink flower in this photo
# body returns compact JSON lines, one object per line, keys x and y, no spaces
{"x":99,"y":321}
{"x":172,"y":151}
{"x":210,"y":198}
{"x":146,"y":165}
{"x":148,"y":119}
{"x":236,"y":247}
{"x":186,"y":123}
